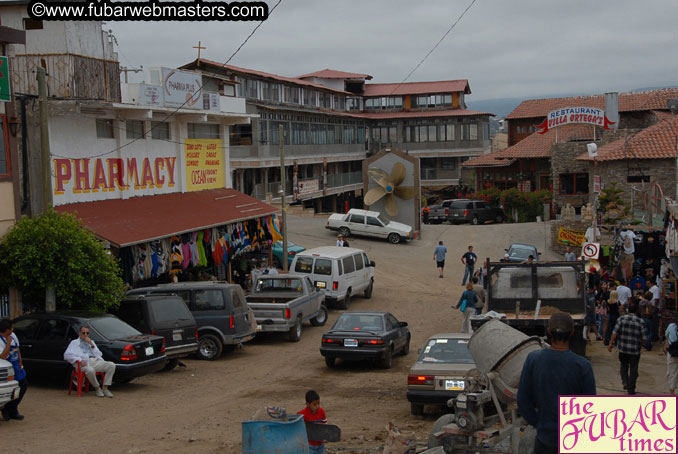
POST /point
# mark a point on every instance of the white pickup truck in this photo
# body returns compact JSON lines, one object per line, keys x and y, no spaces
{"x":9,"y":388}
{"x":369,"y":223}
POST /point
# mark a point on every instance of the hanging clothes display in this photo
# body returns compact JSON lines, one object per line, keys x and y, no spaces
{"x":199,"y":245}
{"x":185,"y":250}
{"x":175,"y":256}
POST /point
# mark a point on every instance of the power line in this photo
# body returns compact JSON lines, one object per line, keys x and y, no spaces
{"x":188,"y":98}
{"x":435,"y":47}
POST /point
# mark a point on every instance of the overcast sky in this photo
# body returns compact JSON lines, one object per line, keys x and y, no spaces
{"x":517,"y":48}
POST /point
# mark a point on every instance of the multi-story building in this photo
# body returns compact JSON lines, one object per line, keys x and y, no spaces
{"x":333,"y":120}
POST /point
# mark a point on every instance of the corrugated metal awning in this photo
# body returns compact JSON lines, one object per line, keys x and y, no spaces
{"x":142,"y":219}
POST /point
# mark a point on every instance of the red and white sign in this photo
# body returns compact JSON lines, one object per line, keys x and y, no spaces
{"x":567,"y":115}
{"x":590,"y":251}
{"x":596,"y":184}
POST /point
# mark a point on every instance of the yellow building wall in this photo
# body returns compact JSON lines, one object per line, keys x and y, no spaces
{"x":7,"y":218}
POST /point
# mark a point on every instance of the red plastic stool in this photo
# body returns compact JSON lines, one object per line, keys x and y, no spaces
{"x":81,"y":376}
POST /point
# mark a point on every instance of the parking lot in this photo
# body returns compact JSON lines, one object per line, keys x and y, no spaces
{"x":199,"y":408}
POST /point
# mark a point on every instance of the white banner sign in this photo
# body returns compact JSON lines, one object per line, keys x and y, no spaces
{"x":182,"y":88}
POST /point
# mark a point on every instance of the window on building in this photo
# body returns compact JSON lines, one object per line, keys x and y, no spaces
{"x":349,"y":134}
{"x":361,"y":134}
{"x":447,"y":100}
{"x":448,"y":163}
{"x":251,"y":88}
{"x":634,"y":178}
{"x":266,"y":90}
{"x":432,"y":133}
{"x":338,"y":137}
{"x":240,"y":87}
{"x":160,"y":130}
{"x":274,"y":133}
{"x":263,"y":131}
{"x":449,"y":132}
{"x":299,"y":133}
{"x":32,"y":24}
{"x":473,"y":128}
{"x":318,"y":134}
{"x":4,"y":147}
{"x":574,"y":183}
{"x":105,"y":128}
{"x":275,"y":92}
{"x":134,"y":129}
{"x":239,"y":134}
{"x":423,"y":133}
{"x":465,"y":132}
{"x":203,"y":131}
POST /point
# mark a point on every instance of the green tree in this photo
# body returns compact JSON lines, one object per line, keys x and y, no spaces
{"x":56,"y":248}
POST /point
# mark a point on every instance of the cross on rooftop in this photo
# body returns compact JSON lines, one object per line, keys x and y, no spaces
{"x":199,"y":47}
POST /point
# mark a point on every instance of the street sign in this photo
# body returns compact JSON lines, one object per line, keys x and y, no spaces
{"x":590,"y":251}
{"x":596,"y":184}
{"x":5,"y":93}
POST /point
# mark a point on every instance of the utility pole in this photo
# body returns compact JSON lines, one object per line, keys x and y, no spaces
{"x":283,"y":183}
{"x":50,"y":291}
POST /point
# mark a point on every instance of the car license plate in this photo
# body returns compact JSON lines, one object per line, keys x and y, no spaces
{"x":320,"y":284}
{"x":176,"y":336}
{"x":350,"y":342}
{"x":149,"y":351}
{"x":454,"y":385}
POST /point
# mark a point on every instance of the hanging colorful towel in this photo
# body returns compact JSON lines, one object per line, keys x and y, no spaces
{"x":176,"y":256}
{"x":195,"y":257}
{"x":274,"y":230}
{"x":202,"y":260}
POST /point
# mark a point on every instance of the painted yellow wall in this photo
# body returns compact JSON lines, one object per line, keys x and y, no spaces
{"x":7,"y":218}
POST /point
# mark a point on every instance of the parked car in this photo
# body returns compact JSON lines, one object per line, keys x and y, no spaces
{"x":219,"y":308}
{"x":369,"y":223}
{"x":166,"y":316}
{"x":292,"y":250}
{"x":340,"y":271}
{"x":9,"y":388}
{"x":283,"y":302}
{"x":438,"y":374}
{"x":439,"y":213}
{"x":366,"y":335}
{"x":45,"y":337}
{"x":520,"y":252}
{"x":474,"y":211}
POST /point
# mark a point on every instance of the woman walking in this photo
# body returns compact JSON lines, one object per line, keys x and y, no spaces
{"x":467,"y":304}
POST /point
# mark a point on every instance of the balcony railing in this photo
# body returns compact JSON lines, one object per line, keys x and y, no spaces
{"x":260,"y":190}
{"x":344,"y":179}
{"x":439,"y":174}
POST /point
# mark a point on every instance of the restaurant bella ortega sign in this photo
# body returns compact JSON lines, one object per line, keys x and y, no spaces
{"x":568,"y":115}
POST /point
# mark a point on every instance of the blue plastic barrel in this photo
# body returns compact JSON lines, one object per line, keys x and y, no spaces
{"x":275,"y":437}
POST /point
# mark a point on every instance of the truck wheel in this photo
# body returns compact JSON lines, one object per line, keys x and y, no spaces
{"x":475,"y":221}
{"x":347,"y":301}
{"x":394,"y":238}
{"x":387,"y":360}
{"x":499,"y":219}
{"x":369,"y":289}
{"x":321,"y":318}
{"x":345,"y":232}
{"x":330,"y":361}
{"x":209,"y":347}
{"x":416,"y":409}
{"x":295,"y":331}
{"x":441,"y":422}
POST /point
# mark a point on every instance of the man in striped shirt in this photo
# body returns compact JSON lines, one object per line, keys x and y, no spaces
{"x":629,"y":334}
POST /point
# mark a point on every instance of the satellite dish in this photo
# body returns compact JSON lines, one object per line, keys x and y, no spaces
{"x":592,"y":149}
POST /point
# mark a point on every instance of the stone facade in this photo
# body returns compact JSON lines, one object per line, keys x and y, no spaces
{"x":630,"y":173}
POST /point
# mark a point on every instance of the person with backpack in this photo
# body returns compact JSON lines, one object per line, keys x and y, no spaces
{"x":671,"y":349}
{"x":467,"y":305}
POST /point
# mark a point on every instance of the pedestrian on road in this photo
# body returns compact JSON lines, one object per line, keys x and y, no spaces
{"x":84,"y":350}
{"x":480,"y":292}
{"x":629,"y":333}
{"x":624,"y":293}
{"x":467,"y":304}
{"x":439,"y":257}
{"x":313,"y":412}
{"x":340,"y":241}
{"x":646,"y":312}
{"x":570,"y":256}
{"x":548,"y":373}
{"x":613,"y":314}
{"x":671,"y":346}
{"x":9,"y":351}
{"x":469,"y":260}
{"x":426,"y":211}
{"x":656,"y":306}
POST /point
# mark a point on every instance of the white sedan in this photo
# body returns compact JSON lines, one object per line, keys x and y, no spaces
{"x":369,"y":223}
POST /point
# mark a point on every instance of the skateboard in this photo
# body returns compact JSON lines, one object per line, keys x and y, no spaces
{"x":322,"y":432}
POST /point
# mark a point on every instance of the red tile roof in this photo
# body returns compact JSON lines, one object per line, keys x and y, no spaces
{"x":142,"y":219}
{"x":655,"y":142}
{"x":417,"y":88}
{"x":628,"y":102}
{"x":423,"y":114}
{"x":489,"y":160}
{"x":264,"y":74}
{"x":334,"y":74}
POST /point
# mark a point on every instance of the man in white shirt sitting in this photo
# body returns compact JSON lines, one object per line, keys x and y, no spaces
{"x":84,"y":349}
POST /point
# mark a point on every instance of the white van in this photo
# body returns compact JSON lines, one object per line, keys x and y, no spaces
{"x":341,"y":271}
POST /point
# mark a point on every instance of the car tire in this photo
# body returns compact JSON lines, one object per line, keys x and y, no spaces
{"x":295,"y":332}
{"x":346,"y":303}
{"x":394,"y":238}
{"x":370,"y":289}
{"x":387,"y":360}
{"x":441,"y":422}
{"x":321,"y":318}
{"x":406,"y":348}
{"x":330,"y":362}
{"x":344,"y":231}
{"x":499,"y":219}
{"x":210,"y":347}
{"x":416,"y":409}
{"x":475,"y":220}
{"x":171,"y":364}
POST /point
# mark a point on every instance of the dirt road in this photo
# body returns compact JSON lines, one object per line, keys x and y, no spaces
{"x":199,"y":408}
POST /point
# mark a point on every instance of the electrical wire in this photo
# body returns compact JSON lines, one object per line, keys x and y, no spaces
{"x":171,"y":114}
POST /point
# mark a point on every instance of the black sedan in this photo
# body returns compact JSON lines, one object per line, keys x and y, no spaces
{"x":365,"y":335}
{"x":44,"y":338}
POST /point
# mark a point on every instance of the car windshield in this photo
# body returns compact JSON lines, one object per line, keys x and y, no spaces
{"x":279,"y":285}
{"x":359,"y":322}
{"x":304,"y":265}
{"x":383,"y":219}
{"x":519,"y":252}
{"x":448,"y":351}
{"x":169,"y":310}
{"x":113,"y":328}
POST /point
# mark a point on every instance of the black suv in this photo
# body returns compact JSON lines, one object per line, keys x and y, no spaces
{"x":219,"y":308}
{"x":474,"y":211}
{"x":44,"y":337}
{"x":166,"y":316}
